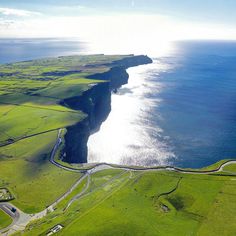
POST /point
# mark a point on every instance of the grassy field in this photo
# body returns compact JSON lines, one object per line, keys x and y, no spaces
{"x":26,"y":171}
{"x":18,"y":122}
{"x":231,"y":168}
{"x":5,"y":220}
{"x":147,"y":203}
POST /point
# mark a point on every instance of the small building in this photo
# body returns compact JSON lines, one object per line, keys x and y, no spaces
{"x":55,"y":229}
{"x":5,"y":195}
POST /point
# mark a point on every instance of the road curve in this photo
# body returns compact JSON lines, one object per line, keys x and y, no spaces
{"x":17,"y":216}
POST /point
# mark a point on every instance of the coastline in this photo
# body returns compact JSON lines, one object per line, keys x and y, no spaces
{"x":96,"y":104}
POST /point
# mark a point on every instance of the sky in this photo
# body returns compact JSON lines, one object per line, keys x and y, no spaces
{"x":106,"y":20}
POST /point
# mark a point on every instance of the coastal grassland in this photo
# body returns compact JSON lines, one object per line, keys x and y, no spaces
{"x":66,"y":87}
{"x":221,"y":219}
{"x":212,"y":167}
{"x":21,"y":98}
{"x":101,"y":178}
{"x":5,"y":220}
{"x":215,"y":165}
{"x":230,"y":168}
{"x":26,"y":171}
{"x":91,"y":198}
{"x":147,"y":203}
{"x":21,"y":121}
{"x":96,"y":181}
{"x":31,"y":91}
{"x":51,"y":78}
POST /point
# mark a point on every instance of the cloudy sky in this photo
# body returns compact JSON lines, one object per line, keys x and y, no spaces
{"x":162,"y":19}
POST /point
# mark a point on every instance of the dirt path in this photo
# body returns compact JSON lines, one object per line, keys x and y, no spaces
{"x":76,"y":197}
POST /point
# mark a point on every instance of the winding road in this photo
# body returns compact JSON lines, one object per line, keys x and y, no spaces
{"x":21,"y":219}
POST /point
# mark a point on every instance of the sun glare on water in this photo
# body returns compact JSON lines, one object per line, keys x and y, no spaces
{"x":128,"y":136}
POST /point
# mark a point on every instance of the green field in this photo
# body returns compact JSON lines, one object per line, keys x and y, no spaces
{"x":142,"y":203}
{"x":18,"y":122}
{"x":27,"y":172}
{"x":5,"y":220}
{"x":231,"y":168}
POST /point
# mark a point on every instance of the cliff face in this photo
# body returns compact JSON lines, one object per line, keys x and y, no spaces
{"x":133,"y":61}
{"x":96,"y":103}
{"x":117,"y":75}
{"x":76,"y":140}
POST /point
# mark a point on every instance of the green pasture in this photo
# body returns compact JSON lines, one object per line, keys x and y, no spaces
{"x":21,"y":121}
{"x":26,"y":171}
{"x":142,"y":203}
{"x":230,"y":168}
{"x":66,"y":88}
{"x":5,"y":220}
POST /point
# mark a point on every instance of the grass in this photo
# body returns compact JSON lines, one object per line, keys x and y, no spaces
{"x":5,"y":220}
{"x":230,"y":168}
{"x":21,"y":121}
{"x":131,"y":203}
{"x":221,"y":217}
{"x":26,"y":171}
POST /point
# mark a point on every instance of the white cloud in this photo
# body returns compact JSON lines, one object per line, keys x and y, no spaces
{"x":5,"y":24}
{"x":17,"y":12}
{"x":118,"y":33}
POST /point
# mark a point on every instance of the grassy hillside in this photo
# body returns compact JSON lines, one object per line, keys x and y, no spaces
{"x":26,"y":171}
{"x":5,"y":220}
{"x":18,"y":122}
{"x":148,"y":203}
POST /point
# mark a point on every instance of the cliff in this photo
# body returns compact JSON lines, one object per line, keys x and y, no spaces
{"x":96,"y":103}
{"x":117,"y":75}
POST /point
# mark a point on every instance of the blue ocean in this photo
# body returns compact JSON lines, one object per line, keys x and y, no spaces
{"x":13,"y":50}
{"x":180,"y":110}
{"x":198,"y":108}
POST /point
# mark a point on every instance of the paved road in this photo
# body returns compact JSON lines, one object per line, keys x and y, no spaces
{"x":76,"y":197}
{"x":7,"y":208}
{"x":19,"y":218}
{"x":55,"y":148}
